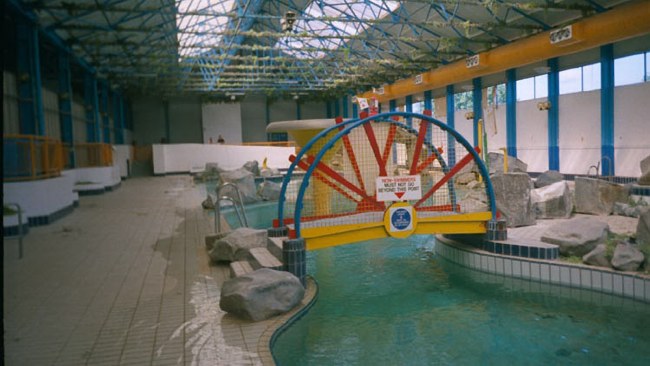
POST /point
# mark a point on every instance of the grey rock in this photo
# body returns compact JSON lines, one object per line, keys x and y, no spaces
{"x":512,"y":192}
{"x":208,"y":204}
{"x":270,"y":191}
{"x":495,"y":163}
{"x":645,"y":165}
{"x":643,"y":228}
{"x":236,"y":245}
{"x":597,"y":257}
{"x":627,"y":257}
{"x":597,"y":197}
{"x":245,"y":182}
{"x":253,"y":166}
{"x":623,"y":209}
{"x":269,"y":172}
{"x":577,"y":236}
{"x":644,"y":180}
{"x":465,"y":178}
{"x":552,"y":201}
{"x":548,"y":177}
{"x":261,"y":294}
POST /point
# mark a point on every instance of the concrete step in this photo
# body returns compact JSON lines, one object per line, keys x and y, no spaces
{"x":275,"y":246}
{"x":240,"y":268}
{"x":262,"y":258}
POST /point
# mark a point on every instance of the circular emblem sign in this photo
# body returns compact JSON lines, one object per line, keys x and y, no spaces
{"x":400,"y":220}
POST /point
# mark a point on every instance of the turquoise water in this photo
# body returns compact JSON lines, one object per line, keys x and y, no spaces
{"x":393,"y":302}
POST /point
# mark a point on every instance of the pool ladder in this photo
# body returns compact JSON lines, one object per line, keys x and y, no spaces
{"x":236,"y":202}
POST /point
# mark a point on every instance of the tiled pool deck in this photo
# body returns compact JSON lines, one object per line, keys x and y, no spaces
{"x":125,"y":280}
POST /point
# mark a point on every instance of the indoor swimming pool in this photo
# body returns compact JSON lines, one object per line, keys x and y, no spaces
{"x":394,"y":302}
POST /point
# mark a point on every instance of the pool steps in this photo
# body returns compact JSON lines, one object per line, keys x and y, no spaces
{"x":269,"y":257}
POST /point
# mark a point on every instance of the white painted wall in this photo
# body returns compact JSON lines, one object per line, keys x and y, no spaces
{"x":253,"y":118}
{"x":222,"y":119}
{"x":105,"y":176}
{"x":579,"y":138}
{"x":631,"y":128}
{"x":180,"y":158}
{"x":532,"y":135}
{"x":41,"y":197}
{"x":122,"y":157}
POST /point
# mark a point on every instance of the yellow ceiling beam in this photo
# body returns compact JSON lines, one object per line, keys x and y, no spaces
{"x":624,"y":22}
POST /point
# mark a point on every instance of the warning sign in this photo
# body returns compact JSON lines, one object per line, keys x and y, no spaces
{"x":400,"y":188}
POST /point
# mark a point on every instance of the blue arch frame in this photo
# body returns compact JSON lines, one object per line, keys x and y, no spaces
{"x":317,"y":137}
{"x":352,"y":124}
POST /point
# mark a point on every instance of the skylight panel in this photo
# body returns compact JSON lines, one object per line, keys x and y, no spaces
{"x":199,"y":25}
{"x":327,"y":32}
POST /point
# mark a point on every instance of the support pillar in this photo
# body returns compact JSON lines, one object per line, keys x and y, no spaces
{"x":451,"y":142}
{"x":554,"y":115}
{"x":118,"y":119}
{"x":346,"y":113}
{"x":428,"y":105}
{"x":92,"y":110}
{"x":30,"y":99}
{"x":408,"y":107}
{"x":65,"y":107}
{"x":105,"y":120}
{"x":477,"y":101}
{"x":607,"y":110}
{"x":511,"y":112}
{"x":294,"y":258}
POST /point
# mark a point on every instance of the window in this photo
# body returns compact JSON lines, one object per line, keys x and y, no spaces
{"x":463,"y":100}
{"x":571,"y":81}
{"x":541,"y":86}
{"x":629,"y":70}
{"x":591,"y":77}
{"x":647,"y":66}
{"x":526,"y":89}
{"x":496,"y":94}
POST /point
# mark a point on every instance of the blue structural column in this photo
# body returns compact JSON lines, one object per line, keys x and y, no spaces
{"x":106,"y":121}
{"x":392,"y":105}
{"x":428,"y":105}
{"x":168,"y":127}
{"x":65,"y":105}
{"x":355,"y":110}
{"x":118,"y":118}
{"x":298,"y":109}
{"x":30,"y":100}
{"x":607,"y":110}
{"x":477,"y":101}
{"x":337,"y":108}
{"x":408,"y":107}
{"x":553,"y":115}
{"x":328,"y":111}
{"x":511,"y":112}
{"x":346,"y":109}
{"x":451,"y":142}
{"x":91,"y":104}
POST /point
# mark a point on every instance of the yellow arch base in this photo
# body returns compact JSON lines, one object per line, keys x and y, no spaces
{"x":330,"y":236}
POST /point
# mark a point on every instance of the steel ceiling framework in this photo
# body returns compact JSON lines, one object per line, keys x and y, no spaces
{"x":236,"y":47}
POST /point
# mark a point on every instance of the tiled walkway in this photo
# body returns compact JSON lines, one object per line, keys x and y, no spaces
{"x":124,"y":280}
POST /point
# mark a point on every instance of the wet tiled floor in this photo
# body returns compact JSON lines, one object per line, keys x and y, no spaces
{"x":124,"y":280}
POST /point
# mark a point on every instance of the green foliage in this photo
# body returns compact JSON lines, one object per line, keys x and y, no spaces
{"x":573,"y":259}
{"x":612,"y":240}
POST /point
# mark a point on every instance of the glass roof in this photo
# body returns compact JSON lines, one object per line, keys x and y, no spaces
{"x":198,"y":25}
{"x":325,"y":31}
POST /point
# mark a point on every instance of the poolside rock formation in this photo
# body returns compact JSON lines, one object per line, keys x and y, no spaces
{"x":208,"y":204}
{"x":236,"y":245}
{"x":261,"y":294}
{"x":597,"y":257}
{"x":512,"y":192}
{"x":552,"y":201}
{"x":269,"y":191}
{"x":643,"y":235}
{"x":644,"y":180}
{"x":627,"y":257}
{"x":577,"y":236}
{"x":495,"y":163}
{"x":597,"y":197}
{"x":245,"y":182}
{"x":252,"y":166}
{"x":548,"y":177}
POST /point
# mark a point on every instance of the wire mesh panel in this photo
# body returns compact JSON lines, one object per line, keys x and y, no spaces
{"x":28,"y":157}
{"x":359,"y":170}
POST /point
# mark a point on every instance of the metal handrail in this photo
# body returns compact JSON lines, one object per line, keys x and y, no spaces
{"x":243,"y":220}
{"x":20,"y":227}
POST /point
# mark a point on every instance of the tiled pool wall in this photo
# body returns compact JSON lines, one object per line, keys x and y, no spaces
{"x":628,"y":285}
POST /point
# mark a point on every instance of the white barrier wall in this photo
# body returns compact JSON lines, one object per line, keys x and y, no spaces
{"x":122,"y":157}
{"x":631,"y":128}
{"x":41,"y":197}
{"x":181,"y":158}
{"x":532,"y":135}
{"x":579,"y":138}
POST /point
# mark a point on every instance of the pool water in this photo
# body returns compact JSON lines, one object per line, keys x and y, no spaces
{"x":394,"y":302}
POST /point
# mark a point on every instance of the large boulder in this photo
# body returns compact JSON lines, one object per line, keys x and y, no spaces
{"x":643,"y":235}
{"x":597,"y":257}
{"x":245,"y":182}
{"x":208,"y":203}
{"x":552,"y":201}
{"x":269,"y":191}
{"x":645,"y":165}
{"x":269,"y":172}
{"x":465,"y":178}
{"x":577,"y":236}
{"x":644,"y":180}
{"x":597,"y":197}
{"x":627,"y":257}
{"x":261,"y":294}
{"x":495,"y":163}
{"x":236,"y":245}
{"x":253,"y":166}
{"x":548,"y":177}
{"x":512,"y":192}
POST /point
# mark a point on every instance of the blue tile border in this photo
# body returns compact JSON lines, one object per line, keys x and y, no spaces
{"x":92,"y":192}
{"x":9,"y":231}
{"x":627,"y":285}
{"x":48,"y":219}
